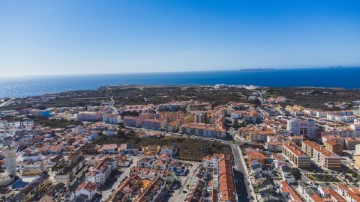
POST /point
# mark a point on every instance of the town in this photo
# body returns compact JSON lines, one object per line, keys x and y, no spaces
{"x":188,"y":143}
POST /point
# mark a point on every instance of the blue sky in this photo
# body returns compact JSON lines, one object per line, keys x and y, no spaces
{"x":44,"y":37}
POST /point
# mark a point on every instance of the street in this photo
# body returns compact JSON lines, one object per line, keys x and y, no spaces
{"x":241,"y":171}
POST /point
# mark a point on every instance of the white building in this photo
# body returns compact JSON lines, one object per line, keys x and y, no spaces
{"x":90,"y":116}
{"x":112,"y":118}
{"x":101,"y":171}
{"x":86,"y":191}
{"x":305,"y":127}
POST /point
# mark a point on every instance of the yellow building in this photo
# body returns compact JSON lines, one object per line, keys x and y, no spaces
{"x":357,"y":159}
{"x":334,"y":147}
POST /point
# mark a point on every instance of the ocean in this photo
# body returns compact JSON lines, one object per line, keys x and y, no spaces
{"x":316,"y":77}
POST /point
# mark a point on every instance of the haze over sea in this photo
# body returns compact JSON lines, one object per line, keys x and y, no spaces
{"x":342,"y":77}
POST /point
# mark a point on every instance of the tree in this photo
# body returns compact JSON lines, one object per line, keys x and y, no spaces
{"x":354,"y":174}
{"x":235,"y":124}
{"x":296,"y":173}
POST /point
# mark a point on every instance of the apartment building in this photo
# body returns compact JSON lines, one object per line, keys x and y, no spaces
{"x":205,"y":130}
{"x":296,"y":156}
{"x":226,"y":181}
{"x":349,"y":193}
{"x":112,"y":118}
{"x":70,"y":173}
{"x":334,"y":147}
{"x":304,"y":127}
{"x":350,"y":143}
{"x":260,"y":135}
{"x":101,"y":171}
{"x":321,"y":155}
{"x":90,"y":116}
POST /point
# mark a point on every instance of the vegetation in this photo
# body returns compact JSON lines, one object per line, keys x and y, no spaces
{"x":316,"y":97}
{"x":323,"y":177}
{"x":189,"y":149}
{"x":54,"y":123}
{"x":296,"y":173}
{"x":130,"y":114}
{"x":58,"y":166}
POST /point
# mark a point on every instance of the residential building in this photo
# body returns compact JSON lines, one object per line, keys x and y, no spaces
{"x":70,"y":173}
{"x":334,"y":147}
{"x":349,"y":193}
{"x":296,"y":156}
{"x":90,"y":116}
{"x":305,"y":127}
{"x":350,"y":143}
{"x":101,"y":171}
{"x":108,"y":148}
{"x":260,"y":135}
{"x":321,"y":155}
{"x":289,"y":193}
{"x":111,"y":118}
{"x":205,"y":130}
{"x":86,"y":191}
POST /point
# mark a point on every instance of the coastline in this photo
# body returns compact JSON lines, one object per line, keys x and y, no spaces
{"x":332,"y":77}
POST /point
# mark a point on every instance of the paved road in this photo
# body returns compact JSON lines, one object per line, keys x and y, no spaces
{"x":241,"y":167}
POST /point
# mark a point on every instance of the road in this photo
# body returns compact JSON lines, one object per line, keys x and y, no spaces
{"x":4,"y":104}
{"x":241,"y":167}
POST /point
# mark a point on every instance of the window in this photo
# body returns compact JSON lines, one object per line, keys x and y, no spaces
{"x":303,"y":131}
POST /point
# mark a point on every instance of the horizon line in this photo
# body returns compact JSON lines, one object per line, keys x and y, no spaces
{"x":188,"y":71}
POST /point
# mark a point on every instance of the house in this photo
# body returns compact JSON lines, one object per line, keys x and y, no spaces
{"x":274,"y":146}
{"x":145,"y":162}
{"x":126,"y":149}
{"x":55,"y":149}
{"x":256,"y":167}
{"x":178,"y":168}
{"x":309,"y":193}
{"x":260,"y":135}
{"x":30,"y":155}
{"x":108,"y":148}
{"x":122,"y":161}
{"x":168,"y":150}
{"x":101,"y":171}
{"x":91,"y":137}
{"x":159,"y":164}
{"x":153,"y":192}
{"x":288,"y":192}
{"x":165,"y":157}
{"x":257,"y":156}
{"x":349,"y":193}
{"x":226,"y":181}
{"x":150,"y":154}
{"x":212,"y":161}
{"x":87,"y":189}
{"x":286,"y":175}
